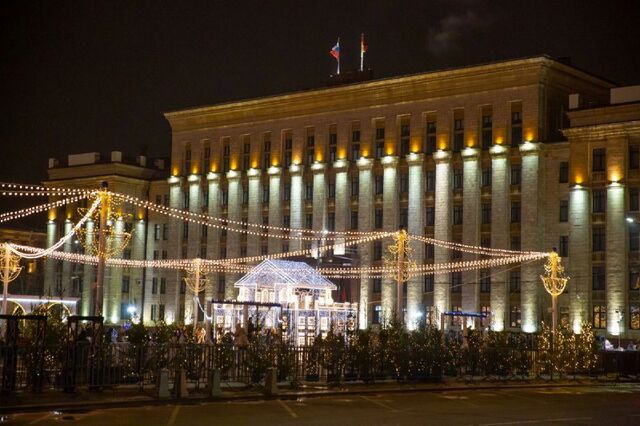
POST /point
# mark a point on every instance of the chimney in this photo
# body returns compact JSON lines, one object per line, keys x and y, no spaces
{"x":141,"y":160}
{"x":53,"y":163}
{"x":116,"y":156}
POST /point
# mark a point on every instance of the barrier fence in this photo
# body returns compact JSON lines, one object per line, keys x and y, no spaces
{"x":86,"y":366}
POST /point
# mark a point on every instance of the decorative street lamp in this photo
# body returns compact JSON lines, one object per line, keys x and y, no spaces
{"x":196,"y":281}
{"x":10,"y":270}
{"x":399,"y":260}
{"x":554,"y":282}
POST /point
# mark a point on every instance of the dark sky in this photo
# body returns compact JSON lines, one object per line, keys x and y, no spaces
{"x":96,"y":76}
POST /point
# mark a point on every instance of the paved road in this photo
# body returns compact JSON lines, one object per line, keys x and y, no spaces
{"x":616,"y":405}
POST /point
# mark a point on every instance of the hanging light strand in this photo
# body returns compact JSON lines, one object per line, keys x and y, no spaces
{"x":7,"y":216}
{"x":488,"y":251}
{"x":61,"y":241}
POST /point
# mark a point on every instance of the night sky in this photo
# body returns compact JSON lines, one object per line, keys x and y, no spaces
{"x":96,"y":76}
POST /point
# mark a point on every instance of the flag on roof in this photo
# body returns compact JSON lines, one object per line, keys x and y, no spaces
{"x":335,"y":50}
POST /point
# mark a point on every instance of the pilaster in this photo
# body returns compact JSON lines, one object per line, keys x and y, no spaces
{"x":342,"y":196}
{"x":390,"y":224}
{"x":500,"y":231}
{"x":275,"y":207}
{"x":254,"y":209}
{"x":234,"y":211}
{"x":416,"y":226}
{"x":471,"y":226}
{"x":296,"y":202}
{"x":365,"y":224}
{"x":443,"y":212}
{"x":579,"y":267}
{"x":616,"y":261}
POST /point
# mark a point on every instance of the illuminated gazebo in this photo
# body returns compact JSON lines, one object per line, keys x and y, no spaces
{"x":298,"y":297}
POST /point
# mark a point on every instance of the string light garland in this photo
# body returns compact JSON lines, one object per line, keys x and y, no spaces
{"x":7,"y":216}
{"x":21,"y":190}
{"x":488,"y":251}
{"x":203,"y":219}
{"x":61,"y":241}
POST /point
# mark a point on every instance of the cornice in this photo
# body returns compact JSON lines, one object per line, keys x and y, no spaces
{"x":460,"y":81}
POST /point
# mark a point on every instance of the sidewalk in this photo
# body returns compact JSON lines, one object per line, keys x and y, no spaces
{"x":132,"y":397}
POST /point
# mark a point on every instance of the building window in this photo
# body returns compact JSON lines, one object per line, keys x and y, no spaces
{"x":156,"y":232}
{"x":486,"y":177}
{"x":516,"y":175}
{"x":634,"y":199}
{"x":458,"y":134}
{"x":331,"y":221}
{"x":185,"y":230}
{"x":404,"y":183}
{"x":166,"y":200}
{"x":288,"y":147}
{"x":154,"y":312}
{"x":286,"y":192}
{"x":598,"y":239}
{"x":331,"y":189}
{"x":377,"y":285}
{"x":634,"y":239}
{"x":379,"y":142}
{"x":456,"y":282}
{"x":516,"y":128}
{"x":599,"y":201}
{"x":404,"y":139}
{"x":430,"y":219}
{"x":308,"y":191}
{"x":161,"y":312}
{"x":245,"y":195}
{"x":429,"y":251}
{"x":563,"y":246}
{"x":246,"y":156}
{"x":428,"y":284}
{"x":404,"y":218}
{"x":225,"y":198}
{"x":599,"y":160}
{"x":431,"y":137}
{"x":265,"y":193}
{"x":309,"y":220}
{"x":458,"y":179}
{"x":598,"y":278}
{"x":486,"y":213}
{"x":634,"y":280}
{"x":333,"y":145}
{"x":515,"y":242}
{"x":431,"y":181}
{"x":563,"y":175}
{"x":377,"y":314}
{"x":165,"y":231}
{"x":599,"y":316}
{"x":311,"y":142}
{"x":515,"y":212}
{"x":163,"y":285}
{"x":487,"y":132}
{"x":355,"y":145}
{"x":156,"y":255}
{"x":564,"y":210}
{"x":515,"y":317}
{"x":378,"y":219}
{"x":485,"y":281}
{"x":187,"y":159}
{"x":125,"y":284}
{"x":457,"y":214}
{"x":379,"y":185}
{"x":286,"y":221}
{"x":355,"y":186}
{"x":354,"y":220}
{"x":185,"y":200}
{"x":634,"y":157}
{"x":221,"y":285}
{"x":154,"y":285}
{"x":514,"y":281}
{"x":266,"y":152}
{"x":226,"y":151}
{"x":634,"y":317}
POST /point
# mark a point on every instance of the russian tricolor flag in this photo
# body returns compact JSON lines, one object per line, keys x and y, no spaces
{"x":335,"y":51}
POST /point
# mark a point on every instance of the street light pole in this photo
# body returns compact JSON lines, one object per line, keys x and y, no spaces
{"x":102,"y":247}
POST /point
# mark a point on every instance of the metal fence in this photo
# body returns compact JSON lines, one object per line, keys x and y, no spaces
{"x":82,"y":365}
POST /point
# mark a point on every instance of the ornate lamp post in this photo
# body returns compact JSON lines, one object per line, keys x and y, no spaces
{"x":554,"y":282}
{"x":196,"y":281}
{"x":10,"y":270}
{"x":399,"y":260}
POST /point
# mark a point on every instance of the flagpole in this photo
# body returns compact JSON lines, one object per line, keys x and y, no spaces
{"x":338,"y":56}
{"x":361,"y":52}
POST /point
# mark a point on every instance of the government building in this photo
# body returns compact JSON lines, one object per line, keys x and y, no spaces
{"x":527,"y":154}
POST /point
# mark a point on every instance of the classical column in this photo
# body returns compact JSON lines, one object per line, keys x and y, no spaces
{"x":88,"y":272}
{"x":500,"y":231}
{"x":234,"y":210}
{"x":319,"y":199}
{"x":365,"y":224}
{"x":174,"y":251}
{"x":531,"y":233}
{"x":296,"y":203}
{"x":416,"y":226}
{"x":275,"y":207}
{"x":50,"y":264}
{"x":193,"y":241}
{"x":342,"y":199}
{"x":390,"y":224}
{"x":616,"y":261}
{"x":255,"y":210}
{"x":442,"y":282}
{"x":66,"y":285}
{"x":213,"y":235}
{"x":113,"y":281}
{"x":137,"y":252}
{"x":471,"y":226}
{"x":579,"y":268}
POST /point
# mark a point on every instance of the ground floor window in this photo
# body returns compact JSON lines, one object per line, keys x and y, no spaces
{"x":599,"y":316}
{"x":634,"y":317}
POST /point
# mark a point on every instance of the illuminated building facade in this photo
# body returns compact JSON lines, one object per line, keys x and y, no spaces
{"x":472,"y":155}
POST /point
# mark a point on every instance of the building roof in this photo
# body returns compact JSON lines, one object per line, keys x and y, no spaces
{"x":272,"y":272}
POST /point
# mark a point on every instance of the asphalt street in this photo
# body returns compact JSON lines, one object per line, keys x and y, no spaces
{"x":613,"y":405}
